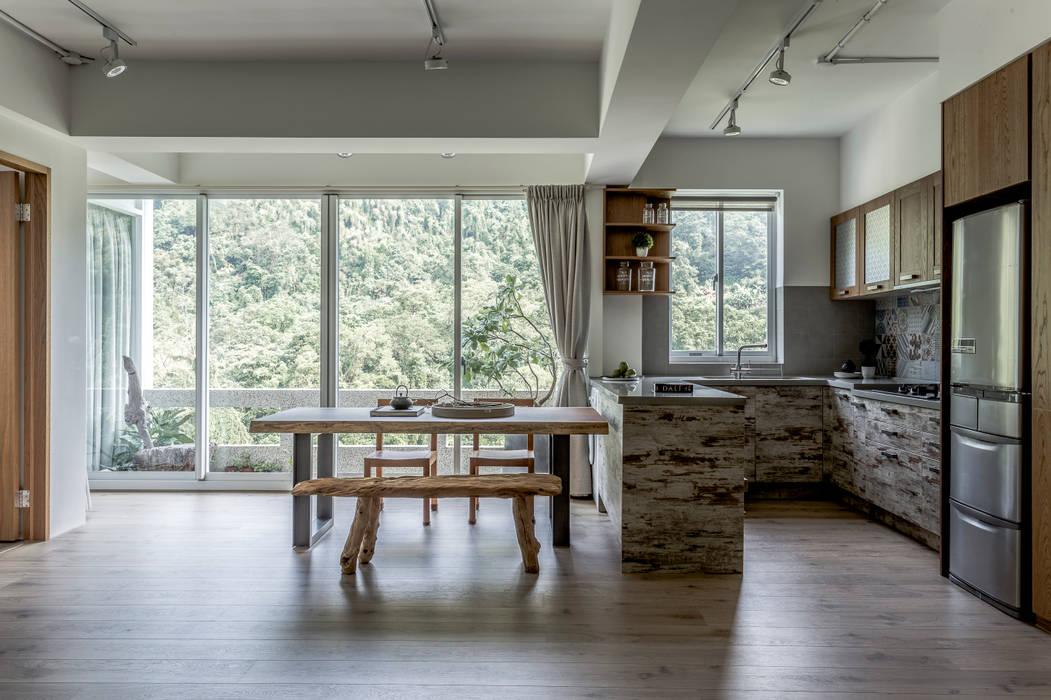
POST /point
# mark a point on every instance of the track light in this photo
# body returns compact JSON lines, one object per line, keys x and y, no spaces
{"x":344,"y":154}
{"x":731,"y":126}
{"x":448,"y":154}
{"x":779,"y":76}
{"x":434,"y":60}
{"x":112,"y":64}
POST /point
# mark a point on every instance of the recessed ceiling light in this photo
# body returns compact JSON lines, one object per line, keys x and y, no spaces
{"x":448,"y":154}
{"x":344,"y":154}
{"x":731,"y":126}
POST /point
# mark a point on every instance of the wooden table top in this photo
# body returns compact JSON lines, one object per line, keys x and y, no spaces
{"x":543,"y":420}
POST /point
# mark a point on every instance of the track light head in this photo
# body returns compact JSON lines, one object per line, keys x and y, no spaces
{"x":448,"y":154}
{"x":344,"y":154}
{"x":112,"y":64}
{"x":779,"y":76}
{"x":731,"y":126}
{"x":435,"y":62}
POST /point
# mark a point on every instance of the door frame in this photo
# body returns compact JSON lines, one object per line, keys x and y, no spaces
{"x":36,"y":346}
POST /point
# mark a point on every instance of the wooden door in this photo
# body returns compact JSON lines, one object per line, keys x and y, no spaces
{"x":845,"y":246}
{"x":877,"y":245}
{"x":985,"y":135}
{"x":1041,"y":332}
{"x":10,"y":303}
{"x":937,"y":205}
{"x":913,"y":232}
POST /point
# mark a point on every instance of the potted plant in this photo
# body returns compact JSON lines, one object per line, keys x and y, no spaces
{"x":642,"y":242}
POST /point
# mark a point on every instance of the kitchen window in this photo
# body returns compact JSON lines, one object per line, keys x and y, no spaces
{"x":723,"y":277}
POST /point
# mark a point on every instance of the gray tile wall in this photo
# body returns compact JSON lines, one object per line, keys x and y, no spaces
{"x":818,"y":334}
{"x":908,"y":329}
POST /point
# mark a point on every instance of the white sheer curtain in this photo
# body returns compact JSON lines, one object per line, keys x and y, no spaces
{"x":109,"y":328}
{"x":560,"y":232}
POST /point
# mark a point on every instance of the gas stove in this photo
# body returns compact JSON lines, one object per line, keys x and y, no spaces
{"x":917,"y":391}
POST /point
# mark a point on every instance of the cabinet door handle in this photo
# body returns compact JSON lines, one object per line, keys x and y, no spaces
{"x":905,"y":278}
{"x":935,"y":445}
{"x":937,"y":273}
{"x":889,"y":455}
{"x":934,"y":470}
{"x":890,"y":411}
{"x":872,"y":287}
{"x":855,"y":404}
{"x":842,"y":397}
{"x":890,"y":433}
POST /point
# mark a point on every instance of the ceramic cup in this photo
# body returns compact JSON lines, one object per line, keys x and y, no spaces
{"x":868,"y":372}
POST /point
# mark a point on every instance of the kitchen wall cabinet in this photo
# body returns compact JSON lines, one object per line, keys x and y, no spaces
{"x":846,"y":231}
{"x":895,"y":239}
{"x":913,"y":231}
{"x":877,"y":236}
{"x":985,"y":135}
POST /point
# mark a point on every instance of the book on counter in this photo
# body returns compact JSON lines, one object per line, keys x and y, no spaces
{"x":389,"y":412}
{"x":673,"y":388}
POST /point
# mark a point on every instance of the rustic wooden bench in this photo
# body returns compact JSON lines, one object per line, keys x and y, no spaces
{"x":361,"y":542}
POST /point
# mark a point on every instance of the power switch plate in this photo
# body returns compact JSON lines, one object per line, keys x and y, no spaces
{"x":21,"y":499}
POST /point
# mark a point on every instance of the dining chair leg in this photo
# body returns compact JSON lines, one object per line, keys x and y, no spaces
{"x":532,"y":499}
{"x":379,"y":472}
{"x":434,"y":472}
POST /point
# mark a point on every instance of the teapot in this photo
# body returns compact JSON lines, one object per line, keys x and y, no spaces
{"x":401,"y":401}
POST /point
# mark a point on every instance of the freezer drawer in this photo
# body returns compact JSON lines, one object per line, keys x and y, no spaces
{"x":986,"y":473}
{"x":985,"y":555}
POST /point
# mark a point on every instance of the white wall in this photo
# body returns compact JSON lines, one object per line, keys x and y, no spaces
{"x":898,"y":144}
{"x":68,"y":165}
{"x":902,"y":142}
{"x":806,"y":169}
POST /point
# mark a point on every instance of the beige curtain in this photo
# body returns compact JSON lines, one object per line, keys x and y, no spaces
{"x":560,"y":233}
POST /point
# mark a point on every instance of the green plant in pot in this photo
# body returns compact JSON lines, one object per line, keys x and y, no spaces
{"x":642,"y":242}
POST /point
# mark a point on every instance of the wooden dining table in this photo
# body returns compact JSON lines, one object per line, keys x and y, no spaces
{"x":557,"y":421}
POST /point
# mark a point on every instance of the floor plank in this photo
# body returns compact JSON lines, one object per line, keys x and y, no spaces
{"x":200,"y":595}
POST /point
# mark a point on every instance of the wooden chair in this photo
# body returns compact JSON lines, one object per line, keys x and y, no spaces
{"x":424,"y":460}
{"x":495,"y":457}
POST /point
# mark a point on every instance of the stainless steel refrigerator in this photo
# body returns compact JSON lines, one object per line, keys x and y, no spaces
{"x":988,"y":410}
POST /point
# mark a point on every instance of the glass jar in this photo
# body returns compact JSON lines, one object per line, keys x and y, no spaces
{"x":647,"y":277}
{"x":662,"y":213}
{"x":624,"y":277}
{"x":648,"y":216}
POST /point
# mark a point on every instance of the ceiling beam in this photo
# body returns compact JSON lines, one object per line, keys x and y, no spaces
{"x":668,"y":43}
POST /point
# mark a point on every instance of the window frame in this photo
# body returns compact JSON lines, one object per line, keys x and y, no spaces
{"x":203,"y":478}
{"x":720,"y":354}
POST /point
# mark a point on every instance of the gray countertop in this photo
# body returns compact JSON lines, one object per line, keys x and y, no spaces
{"x":641,"y":392}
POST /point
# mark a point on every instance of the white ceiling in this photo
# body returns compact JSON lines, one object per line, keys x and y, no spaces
{"x":326,"y":29}
{"x":822,"y":100}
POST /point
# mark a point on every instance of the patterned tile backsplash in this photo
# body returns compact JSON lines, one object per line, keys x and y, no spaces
{"x":908,"y":330}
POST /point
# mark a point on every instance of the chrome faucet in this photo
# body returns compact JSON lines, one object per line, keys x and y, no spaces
{"x":737,"y":370}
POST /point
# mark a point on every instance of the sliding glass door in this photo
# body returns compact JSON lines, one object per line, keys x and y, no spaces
{"x":317,"y":300}
{"x":142,"y":287}
{"x":264,"y":325}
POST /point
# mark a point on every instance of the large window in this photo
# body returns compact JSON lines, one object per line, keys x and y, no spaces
{"x":722,"y":276}
{"x":312,"y":300}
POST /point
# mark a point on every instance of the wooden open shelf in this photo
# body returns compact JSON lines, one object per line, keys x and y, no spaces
{"x":622,"y":219}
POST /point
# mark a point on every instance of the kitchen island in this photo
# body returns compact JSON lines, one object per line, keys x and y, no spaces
{"x":670,"y":474}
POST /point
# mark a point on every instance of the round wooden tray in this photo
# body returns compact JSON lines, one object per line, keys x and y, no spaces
{"x":493,"y":410}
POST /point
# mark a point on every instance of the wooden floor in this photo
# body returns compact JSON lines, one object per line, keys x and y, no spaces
{"x":201,"y":596}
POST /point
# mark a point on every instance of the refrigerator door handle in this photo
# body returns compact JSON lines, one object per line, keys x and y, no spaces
{"x":975,"y":439}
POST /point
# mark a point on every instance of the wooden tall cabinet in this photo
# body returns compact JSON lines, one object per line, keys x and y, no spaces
{"x":1041,"y":331}
{"x":877,"y":237}
{"x":985,"y":135}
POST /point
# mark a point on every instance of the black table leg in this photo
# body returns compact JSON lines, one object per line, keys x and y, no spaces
{"x":304,"y":532}
{"x":560,"y":503}
{"x":326,"y":467}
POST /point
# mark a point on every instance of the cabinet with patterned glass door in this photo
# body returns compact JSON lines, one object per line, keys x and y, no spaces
{"x":876,"y":219}
{"x":845,"y":231}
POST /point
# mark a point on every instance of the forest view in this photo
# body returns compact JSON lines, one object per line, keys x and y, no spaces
{"x":745,"y":279}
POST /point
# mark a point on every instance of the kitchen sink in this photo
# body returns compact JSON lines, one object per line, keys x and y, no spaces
{"x":758,"y":380}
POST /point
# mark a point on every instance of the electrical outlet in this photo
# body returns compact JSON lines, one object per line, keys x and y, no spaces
{"x":21,"y":499}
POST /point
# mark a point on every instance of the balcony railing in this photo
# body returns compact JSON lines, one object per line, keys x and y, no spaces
{"x":278,"y":456}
